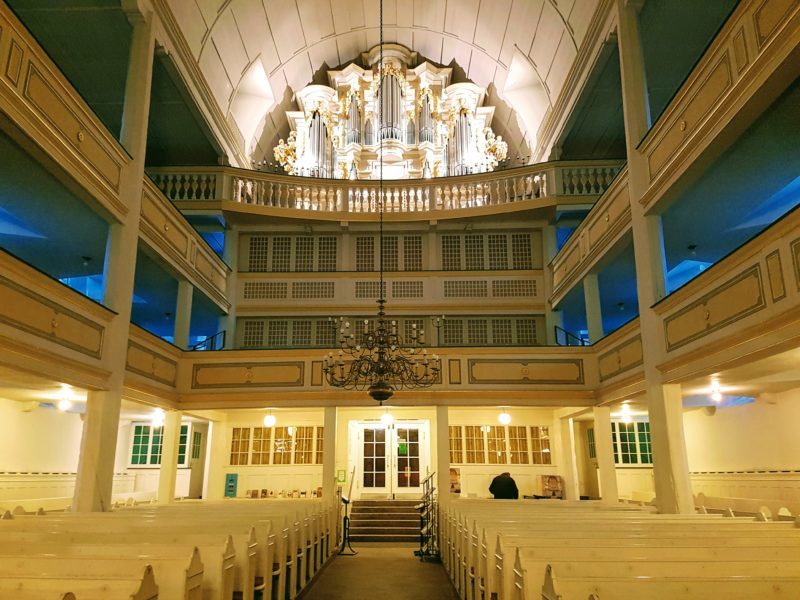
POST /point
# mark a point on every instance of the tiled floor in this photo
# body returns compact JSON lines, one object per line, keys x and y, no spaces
{"x":382,"y":572}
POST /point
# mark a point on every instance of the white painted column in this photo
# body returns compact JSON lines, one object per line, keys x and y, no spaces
{"x":594,"y":314}
{"x":670,"y":464}
{"x":552,"y":318}
{"x":329,"y":454}
{"x":216,"y":460}
{"x":569,"y":460}
{"x":183,"y":314}
{"x":442,"y":477}
{"x":230,"y":254}
{"x":604,"y":451}
{"x":95,"y":476}
{"x":670,"y":461}
{"x":169,"y":457}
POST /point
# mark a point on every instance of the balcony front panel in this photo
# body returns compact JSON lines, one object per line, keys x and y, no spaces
{"x":746,"y":303}
{"x":607,"y":222}
{"x":758,"y":43}
{"x":620,"y":358}
{"x":165,"y":230}
{"x":151,"y":365}
{"x":470,"y":376}
{"x":49,"y":328}
{"x":40,"y":101}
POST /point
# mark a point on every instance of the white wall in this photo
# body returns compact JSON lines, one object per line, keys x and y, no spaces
{"x":42,"y":440}
{"x":39,"y":453}
{"x":761,"y":435}
{"x":747,"y":451}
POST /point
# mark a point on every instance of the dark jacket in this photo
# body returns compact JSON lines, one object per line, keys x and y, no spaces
{"x":504,"y":488}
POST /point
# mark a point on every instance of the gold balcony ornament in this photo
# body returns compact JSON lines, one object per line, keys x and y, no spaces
{"x":378,"y":359}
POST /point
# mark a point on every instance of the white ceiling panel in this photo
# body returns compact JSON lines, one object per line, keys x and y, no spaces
{"x":429,"y":14}
{"x":347,"y":15}
{"x":230,"y":46}
{"x":565,"y":56}
{"x":251,"y":21}
{"x":481,"y":68}
{"x":453,"y":49}
{"x":325,"y":52}
{"x":491,"y":26}
{"x":522,"y":24}
{"x":316,"y":19}
{"x":429,"y":45}
{"x":351,"y":45}
{"x":214,"y":72}
{"x":192,"y":23}
{"x":208,"y":8}
{"x":545,"y":42}
{"x":284,"y":22}
{"x":298,"y":72}
{"x":460,"y":18}
{"x":579,"y":19}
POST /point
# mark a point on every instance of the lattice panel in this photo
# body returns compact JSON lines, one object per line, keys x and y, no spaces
{"x":498,"y":251}
{"x":365,"y":253}
{"x":466,"y":289}
{"x":304,"y":253}
{"x":521,"y":256}
{"x":412,"y":252}
{"x":526,"y":332}
{"x":407,"y":289}
{"x":313,"y":290}
{"x":326,"y":254}
{"x":477,"y":332}
{"x":265,"y":290}
{"x":391,"y":259}
{"x":277,"y":333}
{"x":501,"y":332}
{"x":451,"y":252}
{"x":259,"y":249}
{"x":281,"y":254}
{"x":514,"y":288}
{"x":253,"y":334}
{"x":368,"y":289}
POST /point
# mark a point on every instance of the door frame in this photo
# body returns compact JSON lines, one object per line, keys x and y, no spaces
{"x":355,"y":457}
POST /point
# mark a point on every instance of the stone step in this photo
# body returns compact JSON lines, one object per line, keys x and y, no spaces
{"x":385,"y":502}
{"x":411,"y":517}
{"x":358,"y":523}
{"x":398,"y":510}
{"x":384,"y":538}
{"x":384,"y":530}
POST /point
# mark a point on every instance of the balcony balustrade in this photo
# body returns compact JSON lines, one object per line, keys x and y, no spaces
{"x":559,"y":179}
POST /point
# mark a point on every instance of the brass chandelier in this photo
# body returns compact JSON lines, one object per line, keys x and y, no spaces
{"x":379,"y":359}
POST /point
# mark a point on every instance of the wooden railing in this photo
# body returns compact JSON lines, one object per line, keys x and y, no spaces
{"x":582,"y":179}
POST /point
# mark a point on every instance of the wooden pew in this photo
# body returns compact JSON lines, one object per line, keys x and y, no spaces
{"x":41,"y":586}
{"x":689,"y":581}
{"x":308,"y":547}
{"x":179,"y":577}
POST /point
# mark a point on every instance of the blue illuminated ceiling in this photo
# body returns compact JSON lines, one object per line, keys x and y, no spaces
{"x":39,"y":215}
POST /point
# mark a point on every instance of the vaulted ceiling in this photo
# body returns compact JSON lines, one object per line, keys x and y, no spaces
{"x":255,"y":54}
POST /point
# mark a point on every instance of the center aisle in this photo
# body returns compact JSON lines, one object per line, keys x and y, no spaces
{"x":385,"y":571}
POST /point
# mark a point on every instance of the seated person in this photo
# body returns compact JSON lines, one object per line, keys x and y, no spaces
{"x":504,"y":487}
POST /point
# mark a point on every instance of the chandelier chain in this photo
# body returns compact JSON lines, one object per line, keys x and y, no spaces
{"x":380,"y":360}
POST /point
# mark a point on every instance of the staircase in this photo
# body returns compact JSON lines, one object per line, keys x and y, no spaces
{"x":384,"y":521}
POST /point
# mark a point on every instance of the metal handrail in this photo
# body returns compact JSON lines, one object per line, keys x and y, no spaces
{"x":570,"y":339}
{"x":214,"y":342}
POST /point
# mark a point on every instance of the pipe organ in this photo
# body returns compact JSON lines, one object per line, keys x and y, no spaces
{"x":407,"y":115}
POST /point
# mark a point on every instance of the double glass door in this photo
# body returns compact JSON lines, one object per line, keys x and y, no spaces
{"x":392,"y":458}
